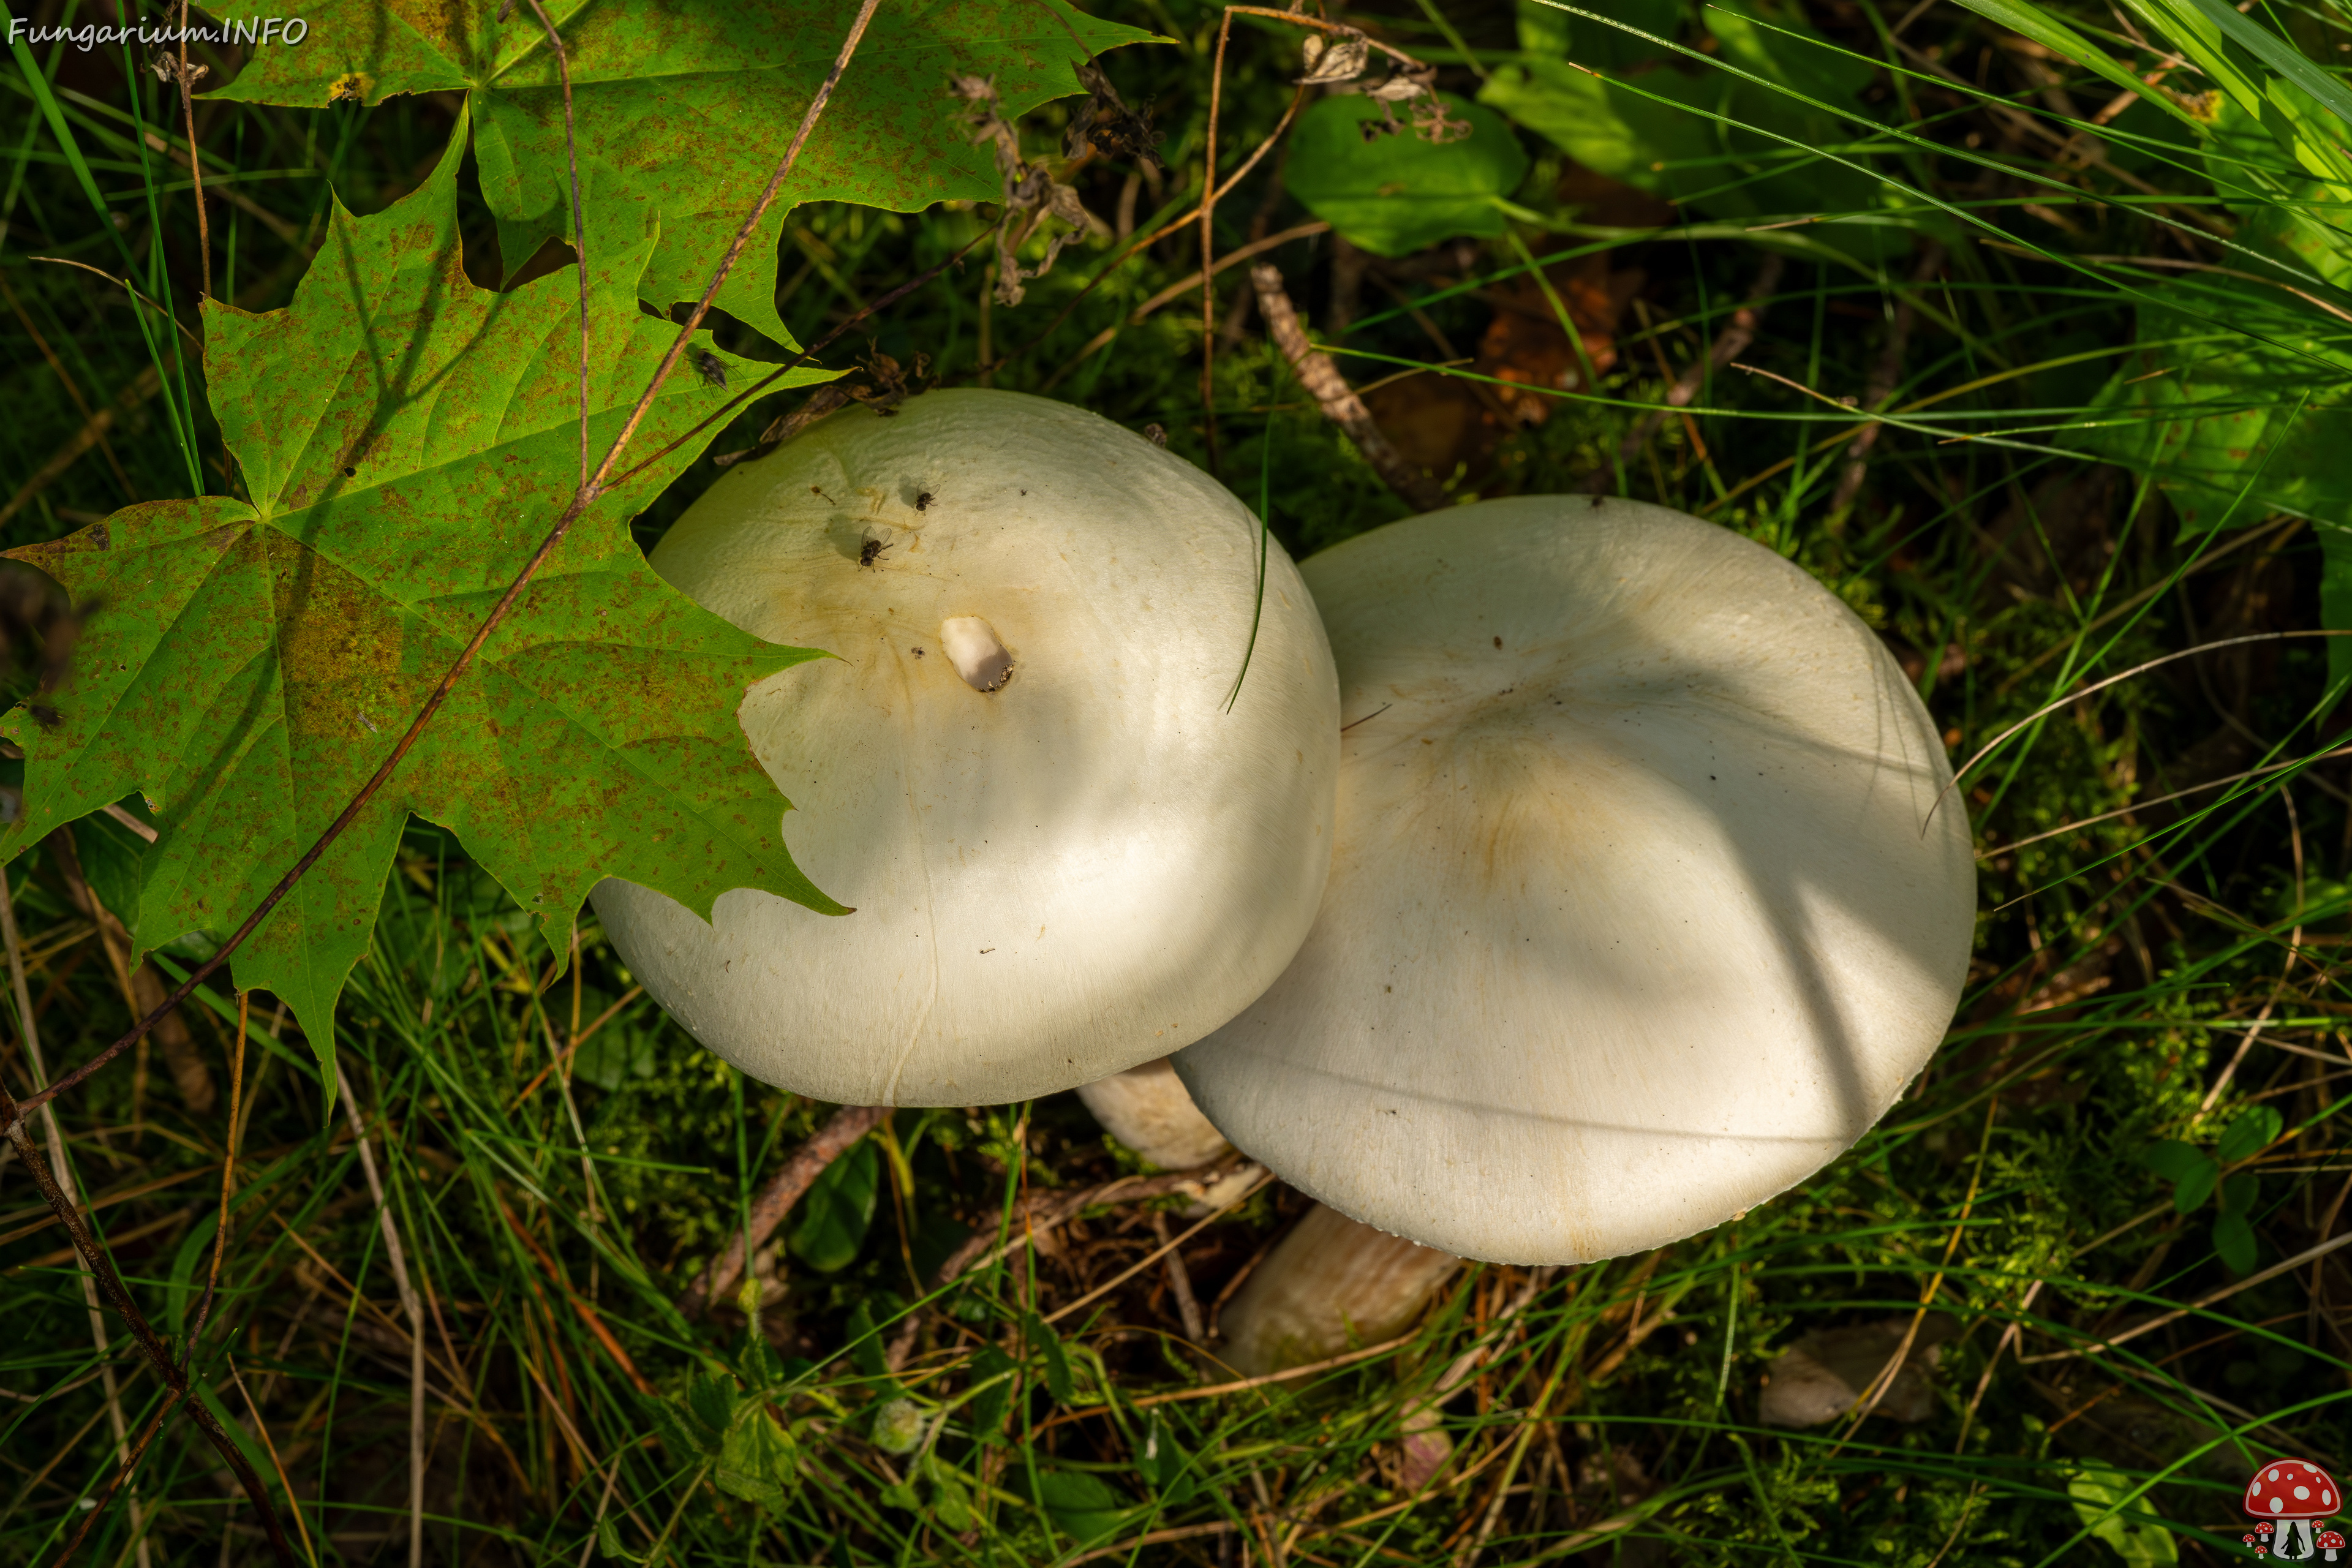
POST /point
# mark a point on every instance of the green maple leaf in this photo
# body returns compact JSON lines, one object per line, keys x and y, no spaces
{"x":685,"y":106}
{"x":408,"y":440}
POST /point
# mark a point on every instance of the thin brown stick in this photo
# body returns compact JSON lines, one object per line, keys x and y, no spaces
{"x":581,"y":501}
{"x":579,"y":217}
{"x":1882,"y":386}
{"x":578,"y":1041}
{"x":1209,"y":246}
{"x":1137,"y":247}
{"x":29,"y":1154}
{"x":1040,"y":1213}
{"x":1746,"y":321}
{"x":1322,"y":379}
{"x":410,"y":1305}
{"x":2098,"y":685}
{"x":62,"y":1171}
{"x":1179,"y":1282}
{"x":1174,"y":291}
{"x":2308,"y":1255}
{"x":1149,"y":1258}
{"x":269,"y":1446}
{"x":195,"y":163}
{"x":228,"y":1175}
{"x":808,"y":1161}
{"x":727,"y":410}
{"x":121,"y":1476}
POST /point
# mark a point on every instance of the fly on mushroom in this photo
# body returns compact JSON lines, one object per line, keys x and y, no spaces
{"x":871,"y":550}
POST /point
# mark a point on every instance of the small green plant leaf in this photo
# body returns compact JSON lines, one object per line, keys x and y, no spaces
{"x":608,"y":1542}
{"x":950,"y":1496}
{"x":866,"y":1352}
{"x":406,"y":440}
{"x":2099,"y":1491}
{"x":2190,"y":1169}
{"x":2234,"y":1241}
{"x":1397,"y":193}
{"x":1164,"y":1463}
{"x":756,"y":1462}
{"x":709,"y":1402}
{"x":998,"y":1379}
{"x":2254,"y":1130}
{"x":1082,"y":1504}
{"x":1729,"y":146}
{"x":1046,"y":1345}
{"x":683,"y":109}
{"x":838,"y":1210}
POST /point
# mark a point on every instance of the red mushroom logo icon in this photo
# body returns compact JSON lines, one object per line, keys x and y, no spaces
{"x":2293,"y":1495}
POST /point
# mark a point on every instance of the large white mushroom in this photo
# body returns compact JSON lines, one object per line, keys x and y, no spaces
{"x":1639,"y":913}
{"x":1068,"y":852}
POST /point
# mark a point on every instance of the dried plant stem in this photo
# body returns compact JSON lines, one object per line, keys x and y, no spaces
{"x":269,"y":1446}
{"x":411,"y":1305}
{"x":828,"y":1143}
{"x":117,"y":1481}
{"x":1210,"y":190}
{"x":1179,"y":1282}
{"x":579,"y":217}
{"x":54,"y":1192}
{"x":228,"y":1179}
{"x":587,"y":496}
{"x":1746,"y":321}
{"x":1330,"y":389}
{"x":1880,"y":391}
{"x":195,"y":161}
{"x":61,"y":1173}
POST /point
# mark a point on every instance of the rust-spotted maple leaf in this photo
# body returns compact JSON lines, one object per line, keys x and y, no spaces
{"x":681,"y":105}
{"x":404,"y":441}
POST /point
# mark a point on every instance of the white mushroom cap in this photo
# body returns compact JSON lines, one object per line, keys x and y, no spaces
{"x":1637,"y":916}
{"x":1059,"y":868}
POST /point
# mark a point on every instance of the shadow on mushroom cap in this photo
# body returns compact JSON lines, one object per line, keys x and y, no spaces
{"x":1631,"y":922}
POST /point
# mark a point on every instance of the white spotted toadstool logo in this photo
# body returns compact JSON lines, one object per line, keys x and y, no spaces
{"x":2292,"y":1498}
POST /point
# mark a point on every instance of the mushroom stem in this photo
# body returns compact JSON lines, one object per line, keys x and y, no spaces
{"x":1331,"y":1283}
{"x":1146,"y":1109}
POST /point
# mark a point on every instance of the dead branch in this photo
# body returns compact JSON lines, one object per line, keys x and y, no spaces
{"x":1329,"y":388}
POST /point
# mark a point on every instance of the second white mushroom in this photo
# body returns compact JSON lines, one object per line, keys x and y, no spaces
{"x":1645,"y":905}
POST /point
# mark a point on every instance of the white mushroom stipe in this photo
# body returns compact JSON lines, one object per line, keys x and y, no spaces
{"x":1083,"y":868}
{"x":1146,"y":1109}
{"x":1331,"y":1285}
{"x":1638,"y":914}
{"x":972,"y":646}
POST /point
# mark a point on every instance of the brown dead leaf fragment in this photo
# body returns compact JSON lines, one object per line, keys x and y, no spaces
{"x":1526,"y":346}
{"x":1447,"y":425}
{"x":1104,"y":126}
{"x":1031,"y":197}
{"x":1820,"y":1376}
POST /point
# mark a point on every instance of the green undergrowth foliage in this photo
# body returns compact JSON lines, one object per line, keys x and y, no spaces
{"x":2024,"y":328}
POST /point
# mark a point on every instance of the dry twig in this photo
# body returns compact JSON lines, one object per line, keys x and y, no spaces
{"x":1322,"y":379}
